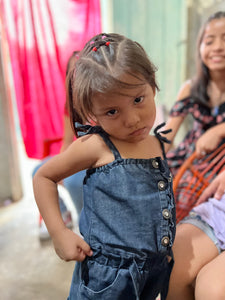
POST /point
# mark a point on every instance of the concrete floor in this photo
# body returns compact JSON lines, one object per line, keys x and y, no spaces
{"x":29,"y":269}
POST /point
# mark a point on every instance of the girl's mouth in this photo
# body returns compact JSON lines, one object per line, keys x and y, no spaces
{"x":138,"y":132}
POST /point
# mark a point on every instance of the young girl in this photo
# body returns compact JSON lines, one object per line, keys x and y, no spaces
{"x":128,"y":218}
{"x":200,"y":240}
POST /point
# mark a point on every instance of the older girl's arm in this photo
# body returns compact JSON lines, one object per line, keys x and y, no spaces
{"x":174,"y":123}
{"x":210,"y":140}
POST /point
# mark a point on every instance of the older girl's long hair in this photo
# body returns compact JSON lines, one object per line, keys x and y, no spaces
{"x":202,"y":78}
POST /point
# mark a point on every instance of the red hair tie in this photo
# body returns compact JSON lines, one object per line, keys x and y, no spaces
{"x":107,"y":43}
{"x":94,"y":49}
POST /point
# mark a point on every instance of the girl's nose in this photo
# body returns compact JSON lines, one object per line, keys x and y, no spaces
{"x":132,"y":118}
{"x":218,"y":44}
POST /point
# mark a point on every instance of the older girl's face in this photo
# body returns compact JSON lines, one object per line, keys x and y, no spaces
{"x":212,"y":47}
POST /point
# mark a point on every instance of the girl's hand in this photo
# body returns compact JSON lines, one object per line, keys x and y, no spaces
{"x":70,"y":246}
{"x":216,"y":189}
{"x":208,"y":142}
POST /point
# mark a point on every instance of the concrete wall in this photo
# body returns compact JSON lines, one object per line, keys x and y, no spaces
{"x":10,"y":181}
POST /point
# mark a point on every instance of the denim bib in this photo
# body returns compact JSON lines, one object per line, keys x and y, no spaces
{"x":128,"y":214}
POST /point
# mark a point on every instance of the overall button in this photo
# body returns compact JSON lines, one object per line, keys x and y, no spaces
{"x":165,"y":241}
{"x":161,"y":185}
{"x":166,"y":214}
{"x":155,"y":164}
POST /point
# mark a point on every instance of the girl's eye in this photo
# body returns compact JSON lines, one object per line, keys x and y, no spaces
{"x":139,"y":100}
{"x":208,"y":41}
{"x":112,"y":112}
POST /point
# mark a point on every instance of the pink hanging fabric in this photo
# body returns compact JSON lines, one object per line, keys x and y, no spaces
{"x":41,"y":36}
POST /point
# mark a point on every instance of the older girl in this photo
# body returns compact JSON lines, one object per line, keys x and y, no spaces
{"x":199,"y":268}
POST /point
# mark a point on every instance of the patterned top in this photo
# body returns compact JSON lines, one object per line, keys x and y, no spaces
{"x":204,"y":118}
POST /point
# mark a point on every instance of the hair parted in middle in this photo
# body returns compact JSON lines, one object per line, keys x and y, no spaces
{"x":102,"y":62}
{"x":202,"y":78}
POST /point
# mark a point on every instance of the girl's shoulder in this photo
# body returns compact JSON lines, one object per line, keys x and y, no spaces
{"x":184,"y":103}
{"x":185,"y":90}
{"x":92,"y":142}
{"x":95,"y":149}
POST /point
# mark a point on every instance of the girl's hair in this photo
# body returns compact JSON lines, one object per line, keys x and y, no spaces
{"x":71,"y":61}
{"x":102,"y":62}
{"x":202,"y":78}
{"x":70,"y":68}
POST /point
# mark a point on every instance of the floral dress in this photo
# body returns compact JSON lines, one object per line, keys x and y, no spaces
{"x":204,"y":118}
{"x":190,"y":187}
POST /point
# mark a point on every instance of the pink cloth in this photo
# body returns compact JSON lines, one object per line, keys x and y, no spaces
{"x":213,"y":213}
{"x":41,"y":37}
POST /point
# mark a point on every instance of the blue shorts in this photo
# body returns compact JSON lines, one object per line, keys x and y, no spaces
{"x":196,"y":220}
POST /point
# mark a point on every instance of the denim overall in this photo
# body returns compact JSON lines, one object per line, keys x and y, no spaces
{"x":128,"y":219}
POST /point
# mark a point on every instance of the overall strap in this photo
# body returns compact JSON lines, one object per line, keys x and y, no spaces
{"x":88,"y":129}
{"x":162,"y":139}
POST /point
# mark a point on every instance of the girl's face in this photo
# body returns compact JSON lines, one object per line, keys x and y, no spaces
{"x":212,"y":47}
{"x":129,"y":114}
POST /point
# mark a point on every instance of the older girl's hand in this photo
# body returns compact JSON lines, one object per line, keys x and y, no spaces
{"x":216,"y":189}
{"x":208,"y":142}
{"x":70,"y":246}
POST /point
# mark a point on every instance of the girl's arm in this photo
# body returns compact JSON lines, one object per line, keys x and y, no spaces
{"x":174,"y":123}
{"x":68,"y":245}
{"x":82,"y":154}
{"x":68,"y":137}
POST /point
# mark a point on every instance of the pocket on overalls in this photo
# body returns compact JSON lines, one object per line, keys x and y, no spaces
{"x":104,"y":282}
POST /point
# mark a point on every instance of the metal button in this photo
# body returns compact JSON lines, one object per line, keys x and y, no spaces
{"x":161,"y":185}
{"x":155,"y":164}
{"x":165,"y":241}
{"x":166,"y":214}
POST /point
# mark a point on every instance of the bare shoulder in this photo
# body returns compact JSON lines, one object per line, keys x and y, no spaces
{"x":185,"y":90}
{"x":84,"y":153}
{"x":92,"y":144}
{"x":93,"y":140}
{"x":93,"y":149}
